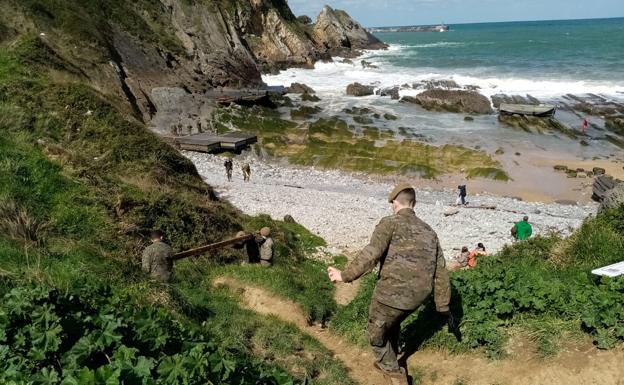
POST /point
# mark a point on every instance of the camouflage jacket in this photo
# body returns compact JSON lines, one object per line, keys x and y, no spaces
{"x":266,"y":249}
{"x":411,"y":263}
{"x":157,"y":261}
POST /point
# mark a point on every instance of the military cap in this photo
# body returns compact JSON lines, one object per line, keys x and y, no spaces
{"x":265,"y":231}
{"x":400,"y":187}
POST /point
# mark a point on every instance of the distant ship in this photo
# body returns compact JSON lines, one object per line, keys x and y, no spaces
{"x":412,"y":28}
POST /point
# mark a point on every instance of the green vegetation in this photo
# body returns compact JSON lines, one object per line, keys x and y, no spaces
{"x":488,"y":172}
{"x":81,"y":185}
{"x":542,"y":287}
{"x":92,"y":21}
{"x":332,"y":143}
{"x":96,"y":337}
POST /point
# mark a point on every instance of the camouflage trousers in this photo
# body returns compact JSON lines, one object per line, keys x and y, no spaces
{"x":384,"y":329}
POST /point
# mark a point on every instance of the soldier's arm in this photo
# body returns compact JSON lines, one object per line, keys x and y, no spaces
{"x":146,"y":261}
{"x":442,"y":284}
{"x":366,"y":260}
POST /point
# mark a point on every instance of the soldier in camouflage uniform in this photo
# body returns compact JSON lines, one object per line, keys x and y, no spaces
{"x":411,"y":267}
{"x":266,"y":247}
{"x":157,"y":258}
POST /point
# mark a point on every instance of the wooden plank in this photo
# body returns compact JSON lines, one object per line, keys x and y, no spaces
{"x":213,"y":246}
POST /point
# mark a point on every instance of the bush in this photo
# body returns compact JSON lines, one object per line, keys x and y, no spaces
{"x":94,"y":337}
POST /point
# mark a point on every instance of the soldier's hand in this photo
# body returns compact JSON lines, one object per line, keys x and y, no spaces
{"x":334,"y":274}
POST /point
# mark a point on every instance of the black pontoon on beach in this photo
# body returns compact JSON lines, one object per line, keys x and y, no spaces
{"x":541,"y":110}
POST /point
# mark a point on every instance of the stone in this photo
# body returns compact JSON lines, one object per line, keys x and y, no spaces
{"x":393,"y":92}
{"x":306,"y":97}
{"x":300,"y":88}
{"x":289,"y":219}
{"x":339,"y":33}
{"x":357,"y":89}
{"x":613,"y":199}
{"x":468,"y":118}
{"x":499,"y":151}
{"x":367,"y":64}
{"x":561,"y":167}
{"x":389,"y":116}
{"x":598,"y":171}
{"x":460,"y":101}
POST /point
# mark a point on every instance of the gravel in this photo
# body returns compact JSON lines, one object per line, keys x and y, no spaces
{"x":344,"y":208}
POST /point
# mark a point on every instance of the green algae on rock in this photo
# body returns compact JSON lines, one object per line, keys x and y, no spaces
{"x":331,"y":143}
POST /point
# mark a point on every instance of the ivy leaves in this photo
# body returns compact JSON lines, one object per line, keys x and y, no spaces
{"x":48,"y":338}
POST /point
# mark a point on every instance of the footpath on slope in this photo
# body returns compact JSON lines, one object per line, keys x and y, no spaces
{"x":587,"y":366}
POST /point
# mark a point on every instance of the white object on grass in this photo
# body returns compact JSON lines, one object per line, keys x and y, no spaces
{"x":614,"y":270}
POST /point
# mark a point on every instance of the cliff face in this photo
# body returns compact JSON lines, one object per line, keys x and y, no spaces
{"x":337,"y":33}
{"x":279,"y":40}
{"x":161,"y":56}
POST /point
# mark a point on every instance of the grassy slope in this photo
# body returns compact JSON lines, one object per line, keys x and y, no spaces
{"x":82,"y":184}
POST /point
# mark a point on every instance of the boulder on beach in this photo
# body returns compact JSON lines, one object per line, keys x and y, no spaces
{"x":452,"y":101}
{"x":289,"y":219}
{"x":613,"y":198}
{"x":357,"y":89}
{"x":300,"y":88}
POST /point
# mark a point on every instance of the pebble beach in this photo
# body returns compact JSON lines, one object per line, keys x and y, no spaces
{"x":344,"y":208}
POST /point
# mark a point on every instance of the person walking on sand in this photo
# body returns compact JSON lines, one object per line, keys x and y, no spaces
{"x":462,"y":194}
{"x":229,"y":166}
{"x":522,"y":230}
{"x":246,"y":172}
{"x":157,"y":259}
{"x":412,"y":266}
{"x":584,"y":126}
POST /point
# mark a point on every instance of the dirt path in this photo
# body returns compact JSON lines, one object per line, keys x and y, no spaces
{"x":357,"y":361}
{"x":575,"y":365}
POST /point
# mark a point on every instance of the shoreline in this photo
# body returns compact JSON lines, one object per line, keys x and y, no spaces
{"x":344,"y":208}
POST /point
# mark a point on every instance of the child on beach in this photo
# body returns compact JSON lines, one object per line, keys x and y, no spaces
{"x":477,"y":252}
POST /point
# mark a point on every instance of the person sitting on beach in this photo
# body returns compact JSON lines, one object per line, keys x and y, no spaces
{"x":460,"y":261}
{"x":477,"y":252}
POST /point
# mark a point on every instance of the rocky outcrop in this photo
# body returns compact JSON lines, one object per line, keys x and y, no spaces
{"x":613,"y":199}
{"x":357,"y":89}
{"x":299,"y":88}
{"x":452,"y":101}
{"x":340,"y":35}
{"x":166,"y":58}
{"x":275,"y":36}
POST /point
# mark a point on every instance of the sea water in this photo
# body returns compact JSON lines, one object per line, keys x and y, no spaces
{"x":545,"y":59}
{"x":541,"y":58}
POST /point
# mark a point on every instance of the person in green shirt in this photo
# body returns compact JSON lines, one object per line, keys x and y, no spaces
{"x":522,"y":230}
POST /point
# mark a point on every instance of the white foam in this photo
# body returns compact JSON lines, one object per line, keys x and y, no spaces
{"x":332,"y":78}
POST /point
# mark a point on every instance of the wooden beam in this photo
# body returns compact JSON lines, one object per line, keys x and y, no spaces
{"x":213,"y":246}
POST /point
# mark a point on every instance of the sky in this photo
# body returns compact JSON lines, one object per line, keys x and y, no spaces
{"x":377,"y":13}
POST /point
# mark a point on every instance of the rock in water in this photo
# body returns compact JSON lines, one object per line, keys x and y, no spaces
{"x":300,"y":88}
{"x":337,"y":31}
{"x":357,"y":89}
{"x":452,"y":101}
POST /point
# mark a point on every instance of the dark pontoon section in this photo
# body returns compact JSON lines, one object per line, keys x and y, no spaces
{"x":208,"y":142}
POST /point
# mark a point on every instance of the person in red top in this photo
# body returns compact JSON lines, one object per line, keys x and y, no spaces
{"x":584,"y":126}
{"x":477,"y":252}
